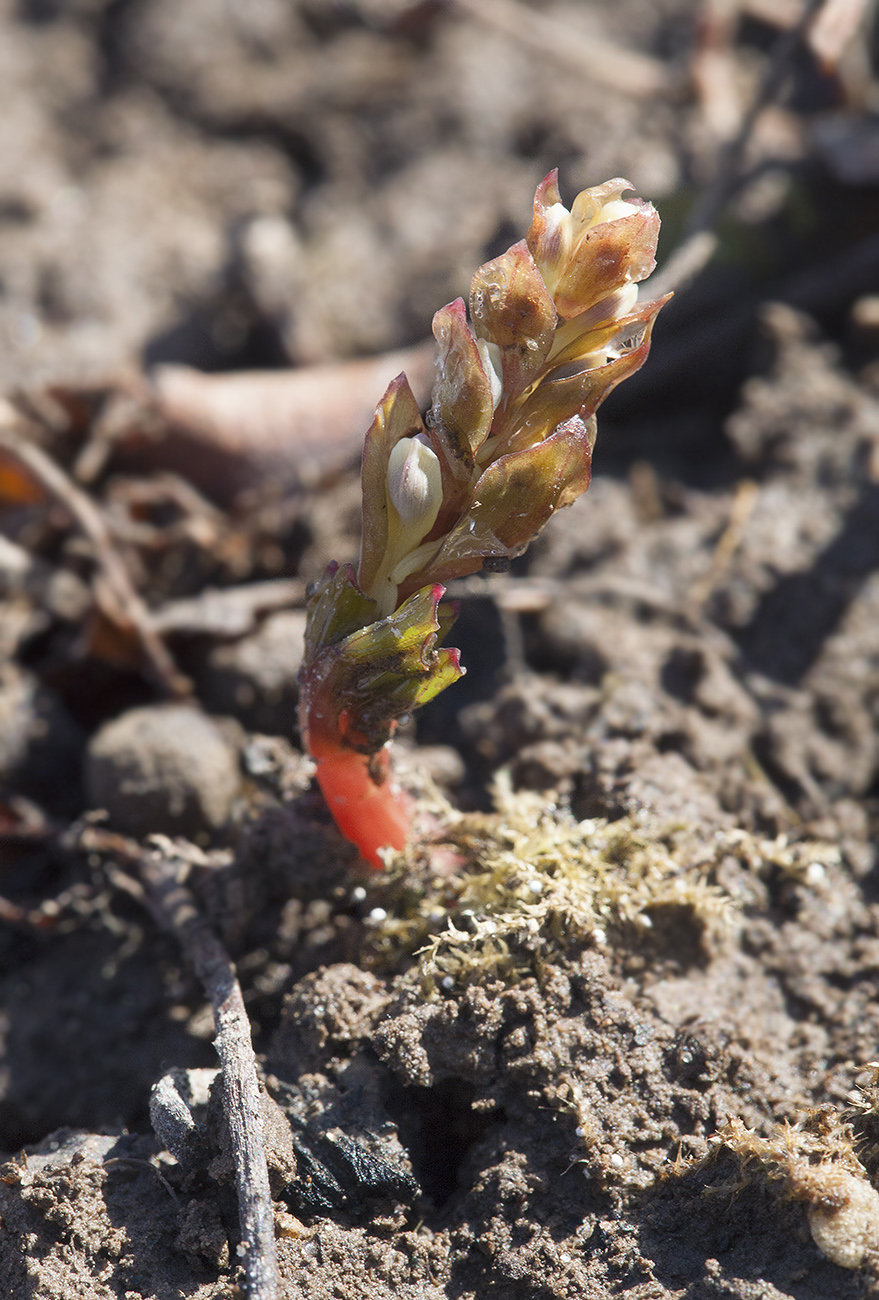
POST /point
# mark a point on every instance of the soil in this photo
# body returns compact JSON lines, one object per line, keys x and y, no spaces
{"x":639,"y":1064}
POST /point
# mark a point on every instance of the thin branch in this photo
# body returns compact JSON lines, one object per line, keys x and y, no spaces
{"x":627,"y":71}
{"x":729,"y":171}
{"x":26,"y":918}
{"x":699,"y":242}
{"x":118,"y":584}
{"x":161,"y":869}
{"x":685,"y":263}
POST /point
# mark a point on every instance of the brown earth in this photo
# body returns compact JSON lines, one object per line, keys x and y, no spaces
{"x":640,"y":1063}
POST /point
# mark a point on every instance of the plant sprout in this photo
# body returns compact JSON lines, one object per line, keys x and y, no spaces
{"x":554,"y":325}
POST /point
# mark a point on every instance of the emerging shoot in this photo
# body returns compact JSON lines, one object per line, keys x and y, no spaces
{"x":554,"y":325}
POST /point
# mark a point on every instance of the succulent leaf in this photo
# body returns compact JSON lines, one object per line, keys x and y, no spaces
{"x":336,"y":608}
{"x":462,"y":397}
{"x":515,"y":497}
{"x":397,"y":416}
{"x":359,"y":684}
{"x":512,"y":308}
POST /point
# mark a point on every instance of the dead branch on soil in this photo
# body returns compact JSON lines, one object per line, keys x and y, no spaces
{"x":729,"y":170}
{"x":699,"y":242}
{"x":161,"y":870}
{"x":25,"y":918}
{"x":299,"y":426}
{"x":158,"y":883}
{"x":834,"y":29}
{"x":68,"y":908}
{"x":629,"y":72}
{"x":118,"y":590}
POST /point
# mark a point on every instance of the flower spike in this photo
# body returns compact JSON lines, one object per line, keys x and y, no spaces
{"x":556,"y":325}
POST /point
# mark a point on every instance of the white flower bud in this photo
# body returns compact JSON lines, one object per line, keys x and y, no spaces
{"x":624,"y":300}
{"x":613,"y":211}
{"x":558,"y":224}
{"x":490,"y":356}
{"x":415,"y":485}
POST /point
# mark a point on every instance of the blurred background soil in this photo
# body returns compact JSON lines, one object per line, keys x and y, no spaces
{"x":190,"y":193}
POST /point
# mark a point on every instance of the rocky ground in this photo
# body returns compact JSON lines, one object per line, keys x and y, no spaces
{"x":641,"y":1059}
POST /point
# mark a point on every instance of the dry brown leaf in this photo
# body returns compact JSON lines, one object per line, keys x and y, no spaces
{"x":294,"y":427}
{"x":835,"y":26}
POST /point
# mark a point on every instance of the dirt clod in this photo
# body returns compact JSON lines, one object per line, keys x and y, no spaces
{"x":167,"y":770}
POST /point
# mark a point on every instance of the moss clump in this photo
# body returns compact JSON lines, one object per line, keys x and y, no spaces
{"x":496,"y":895}
{"x":813,"y":1161}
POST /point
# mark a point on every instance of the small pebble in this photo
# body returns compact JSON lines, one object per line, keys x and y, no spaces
{"x":166,"y":769}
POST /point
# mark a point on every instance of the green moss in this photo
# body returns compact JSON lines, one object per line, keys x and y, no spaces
{"x":494,"y":896}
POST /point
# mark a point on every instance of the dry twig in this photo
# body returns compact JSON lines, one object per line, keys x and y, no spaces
{"x":26,"y":918}
{"x":834,"y":29}
{"x":161,"y":871}
{"x":729,"y":171}
{"x":684,"y":264}
{"x":628,"y":72}
{"x":699,"y":242}
{"x":118,"y":588}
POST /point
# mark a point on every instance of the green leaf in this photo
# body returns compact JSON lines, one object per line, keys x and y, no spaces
{"x":370,"y":678}
{"x":514,"y":498}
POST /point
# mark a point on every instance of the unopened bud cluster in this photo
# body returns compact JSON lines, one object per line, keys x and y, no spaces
{"x":554,"y":324}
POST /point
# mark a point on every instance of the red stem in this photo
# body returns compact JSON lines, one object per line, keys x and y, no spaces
{"x":369,"y":807}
